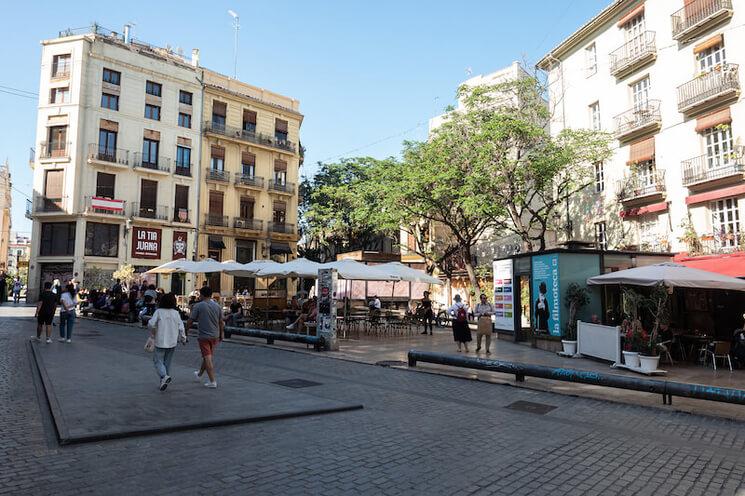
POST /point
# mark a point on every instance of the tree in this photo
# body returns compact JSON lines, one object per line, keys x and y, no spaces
{"x":126,"y":273}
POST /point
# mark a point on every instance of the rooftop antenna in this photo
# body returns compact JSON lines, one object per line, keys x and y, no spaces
{"x":236,"y":27}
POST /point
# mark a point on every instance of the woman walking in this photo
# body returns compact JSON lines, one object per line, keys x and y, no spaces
{"x":68,"y":302}
{"x":166,"y":329}
{"x":461,"y":331}
{"x":428,"y":314}
{"x":484,"y":311}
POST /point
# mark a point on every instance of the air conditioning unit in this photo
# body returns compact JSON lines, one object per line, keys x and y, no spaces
{"x":241,"y":223}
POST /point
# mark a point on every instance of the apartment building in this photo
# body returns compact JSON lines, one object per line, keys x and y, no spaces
{"x":662,"y":77}
{"x":6,"y":202}
{"x":251,"y":155}
{"x":19,"y":255}
{"x":116,"y":146}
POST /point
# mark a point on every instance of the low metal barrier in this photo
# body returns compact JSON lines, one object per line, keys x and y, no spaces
{"x":317,"y":341}
{"x":667,"y":389}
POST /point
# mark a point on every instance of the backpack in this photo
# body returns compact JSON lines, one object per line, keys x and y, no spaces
{"x":461,"y":314}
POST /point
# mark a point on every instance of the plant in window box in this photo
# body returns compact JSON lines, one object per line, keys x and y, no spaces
{"x":690,"y":237}
{"x":707,"y":237}
{"x":575,"y":298}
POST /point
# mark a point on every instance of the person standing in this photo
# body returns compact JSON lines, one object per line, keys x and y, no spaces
{"x":461,"y":331}
{"x":3,"y":288}
{"x":208,"y":316}
{"x":17,"y":286}
{"x":166,"y":329}
{"x":484,"y":311}
{"x":68,"y":302}
{"x":429,"y":316}
{"x":45,"y":312}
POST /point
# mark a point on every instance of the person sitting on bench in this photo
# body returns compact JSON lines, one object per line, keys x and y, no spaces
{"x":307,"y":314}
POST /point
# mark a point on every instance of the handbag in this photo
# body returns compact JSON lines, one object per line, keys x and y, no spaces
{"x":150,"y":345}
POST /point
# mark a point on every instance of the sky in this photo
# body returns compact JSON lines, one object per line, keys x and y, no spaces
{"x":368,"y":74}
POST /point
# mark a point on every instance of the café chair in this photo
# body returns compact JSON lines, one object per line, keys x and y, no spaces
{"x":719,"y":349}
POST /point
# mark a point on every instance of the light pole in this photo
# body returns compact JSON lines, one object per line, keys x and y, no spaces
{"x":236,"y":27}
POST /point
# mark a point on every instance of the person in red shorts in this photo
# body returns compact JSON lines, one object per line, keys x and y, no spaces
{"x":211,"y":330}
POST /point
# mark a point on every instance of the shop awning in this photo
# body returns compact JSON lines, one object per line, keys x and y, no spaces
{"x":731,"y":264}
{"x":216,"y":243}
{"x":280,"y":248}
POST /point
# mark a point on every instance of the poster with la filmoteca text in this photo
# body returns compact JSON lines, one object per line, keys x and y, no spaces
{"x":504,"y":296}
{"x":547,"y":302}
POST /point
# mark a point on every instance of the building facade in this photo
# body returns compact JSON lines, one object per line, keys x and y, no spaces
{"x":251,"y":155}
{"x":663,"y":78}
{"x":19,"y":255}
{"x":5,"y":208}
{"x":114,"y":174}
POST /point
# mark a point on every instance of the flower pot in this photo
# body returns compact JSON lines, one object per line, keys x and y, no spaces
{"x":570,"y":347}
{"x":649,"y":363}
{"x":631,"y":359}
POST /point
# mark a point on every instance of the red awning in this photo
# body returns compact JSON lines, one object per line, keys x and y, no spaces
{"x":649,"y":209}
{"x":731,"y":264}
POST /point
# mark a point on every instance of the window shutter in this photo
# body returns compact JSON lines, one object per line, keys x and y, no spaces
{"x":151,"y":135}
{"x":711,"y":42}
{"x":722,"y":116}
{"x":280,"y":125}
{"x":641,"y":151}
{"x":183,"y":141}
{"x":148,"y":193}
{"x":109,"y":125}
{"x":219,"y":108}
{"x":105,"y":185}
{"x":280,"y":165}
{"x":54,"y":183}
{"x":248,"y":158}
{"x":215,"y":206}
{"x":218,"y":152}
{"x":249,"y":116}
{"x":280,"y":205}
{"x":182,"y":196}
{"x":630,"y":15}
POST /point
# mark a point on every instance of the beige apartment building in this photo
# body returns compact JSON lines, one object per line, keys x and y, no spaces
{"x":251,"y":155}
{"x":6,"y":201}
{"x":663,"y":77}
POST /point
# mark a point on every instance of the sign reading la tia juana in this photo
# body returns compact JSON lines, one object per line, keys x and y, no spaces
{"x":146,"y":242}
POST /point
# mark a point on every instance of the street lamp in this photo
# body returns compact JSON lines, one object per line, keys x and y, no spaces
{"x":236,"y":27}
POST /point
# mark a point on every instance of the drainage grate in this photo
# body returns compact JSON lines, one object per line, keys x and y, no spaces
{"x":391,"y":363}
{"x":530,"y":407}
{"x":297,"y":383}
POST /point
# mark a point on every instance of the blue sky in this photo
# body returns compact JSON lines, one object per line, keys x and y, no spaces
{"x":368,"y":74}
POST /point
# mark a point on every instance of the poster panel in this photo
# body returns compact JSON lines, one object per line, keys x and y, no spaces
{"x":504,"y":296}
{"x":547,"y":301}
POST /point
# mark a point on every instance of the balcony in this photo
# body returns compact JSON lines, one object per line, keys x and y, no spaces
{"x":248,"y":136}
{"x":215,"y":220}
{"x":47,"y":206}
{"x":281,"y":228}
{"x":182,"y":215}
{"x":55,"y":151}
{"x":217,"y":175}
{"x":29,"y":209}
{"x":641,"y":119}
{"x":699,"y":16}
{"x":719,"y":243}
{"x":633,"y":54}
{"x":250,"y":182}
{"x":283,"y":187}
{"x":182,"y":169}
{"x":709,"y":89}
{"x":104,"y":206}
{"x":248,"y":224}
{"x":155,"y":212}
{"x":725,"y":168}
{"x":102,"y":155}
{"x":637,"y":188}
{"x":161,"y":165}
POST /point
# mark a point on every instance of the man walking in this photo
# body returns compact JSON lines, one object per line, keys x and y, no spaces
{"x":45,"y":312}
{"x":208,"y":316}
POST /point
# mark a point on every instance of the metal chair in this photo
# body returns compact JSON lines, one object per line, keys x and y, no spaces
{"x":664,"y":348}
{"x":719,"y":349}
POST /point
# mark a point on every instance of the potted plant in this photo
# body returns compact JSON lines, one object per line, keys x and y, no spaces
{"x":632,"y":327}
{"x":575,"y":298}
{"x":649,"y":359}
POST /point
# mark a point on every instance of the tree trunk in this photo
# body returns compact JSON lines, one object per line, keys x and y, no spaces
{"x":471,"y":276}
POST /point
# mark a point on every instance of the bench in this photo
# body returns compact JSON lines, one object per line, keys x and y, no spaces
{"x":106,"y":314}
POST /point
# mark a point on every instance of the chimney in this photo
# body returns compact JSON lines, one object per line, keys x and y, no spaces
{"x":126,"y":32}
{"x":195,"y":57}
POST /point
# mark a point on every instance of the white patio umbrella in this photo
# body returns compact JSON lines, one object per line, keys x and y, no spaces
{"x":180,"y":266}
{"x":672,"y":275}
{"x":300,"y":267}
{"x":407,"y":273}
{"x":357,"y":271}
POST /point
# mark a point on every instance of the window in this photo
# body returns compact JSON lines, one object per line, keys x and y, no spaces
{"x":219,"y":110}
{"x":599,"y":177}
{"x":640,"y":93}
{"x":725,"y":222}
{"x":101,"y":240}
{"x":215,"y":203}
{"x":60,"y":95}
{"x":634,"y":28}
{"x":54,"y":184}
{"x":183,"y":157}
{"x":280,"y":130}
{"x":61,"y":65}
{"x":148,"y":198}
{"x":105,"y":185}
{"x":150,"y":151}
{"x":247,"y":207}
{"x":107,"y":145}
{"x":280,"y":172}
{"x":57,"y":239}
{"x":217,"y":159}
{"x":152,"y":112}
{"x":648,"y":232}
{"x":719,"y":146}
{"x":112,"y":77}
{"x":245,"y":250}
{"x":111,"y":102}
{"x":645,"y":173}
{"x":248,"y":164}
{"x":249,"y":121}
{"x":58,"y":141}
{"x":591,"y":60}
{"x":181,"y":204}
{"x":184,"y":120}
{"x":600,"y":238}
{"x":595,"y":116}
{"x":710,"y":58}
{"x":152,"y":88}
{"x":184,"y":97}
{"x":279,"y":213}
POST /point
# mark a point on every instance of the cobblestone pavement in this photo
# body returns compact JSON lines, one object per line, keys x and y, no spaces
{"x":418,"y":434}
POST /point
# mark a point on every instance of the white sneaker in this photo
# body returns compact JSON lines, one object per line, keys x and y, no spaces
{"x":69,"y":340}
{"x":211,"y":385}
{"x":49,"y":340}
{"x":61,"y":340}
{"x":164,"y":382}
{"x":196,"y":376}
{"x":290,"y":327}
{"x":34,"y":338}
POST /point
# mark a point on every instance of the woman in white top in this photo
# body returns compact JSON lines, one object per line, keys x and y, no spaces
{"x":461,"y":331}
{"x":68,"y":302}
{"x":167,"y":329}
{"x":484,"y":311}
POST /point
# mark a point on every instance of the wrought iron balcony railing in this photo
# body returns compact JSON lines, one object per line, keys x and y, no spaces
{"x":97,"y":205}
{"x":160,"y":164}
{"x":158,"y":212}
{"x":283,"y":228}
{"x":251,"y":224}
{"x":284,"y":187}
{"x":709,"y":168}
{"x":101,"y":153}
{"x":247,"y":180}
{"x":55,"y":149}
{"x":696,"y":14}
{"x":640,"y":117}
{"x":640,"y":49}
{"x":182,"y":215}
{"x":217,"y":220}
{"x":248,"y":136}
{"x":44,"y":205}
{"x":638,"y":186}
{"x":182,"y":169}
{"x":723,"y":80}
{"x":217,"y":175}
